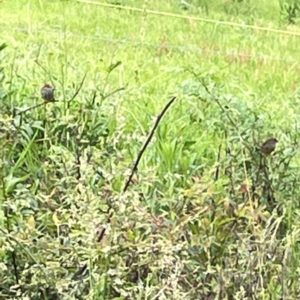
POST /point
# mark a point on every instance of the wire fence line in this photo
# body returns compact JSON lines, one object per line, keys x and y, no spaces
{"x":131,"y":42}
{"x":194,"y":18}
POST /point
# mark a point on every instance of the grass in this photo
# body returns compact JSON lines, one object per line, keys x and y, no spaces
{"x":206,"y":217}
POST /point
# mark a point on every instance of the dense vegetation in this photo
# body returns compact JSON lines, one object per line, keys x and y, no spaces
{"x":206,"y":215}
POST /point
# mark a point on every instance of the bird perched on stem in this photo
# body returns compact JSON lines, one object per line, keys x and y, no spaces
{"x":268,"y":146}
{"x":47,"y":93}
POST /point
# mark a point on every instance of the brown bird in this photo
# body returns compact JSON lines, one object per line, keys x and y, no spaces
{"x":47,"y":93}
{"x":269,"y":146}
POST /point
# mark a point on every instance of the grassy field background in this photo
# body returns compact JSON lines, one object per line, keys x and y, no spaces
{"x":206,"y":215}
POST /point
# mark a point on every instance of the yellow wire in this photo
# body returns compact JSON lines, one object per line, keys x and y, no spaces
{"x":161,"y":13}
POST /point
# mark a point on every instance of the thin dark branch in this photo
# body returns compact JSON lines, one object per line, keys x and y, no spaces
{"x":218,"y":165}
{"x":218,"y":102}
{"x":13,"y":253}
{"x":7,"y":219}
{"x":45,"y":70}
{"x":135,"y":166}
{"x":32,"y":107}
{"x":220,"y":106}
{"x":113,"y":92}
{"x":101,"y":234}
{"x":113,"y":66}
{"x":14,"y":263}
{"x":109,"y":211}
{"x":79,"y":88}
{"x":94,"y":98}
{"x":211,"y":94}
{"x":28,"y":253}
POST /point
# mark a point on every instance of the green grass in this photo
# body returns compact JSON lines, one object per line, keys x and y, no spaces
{"x":206,"y":217}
